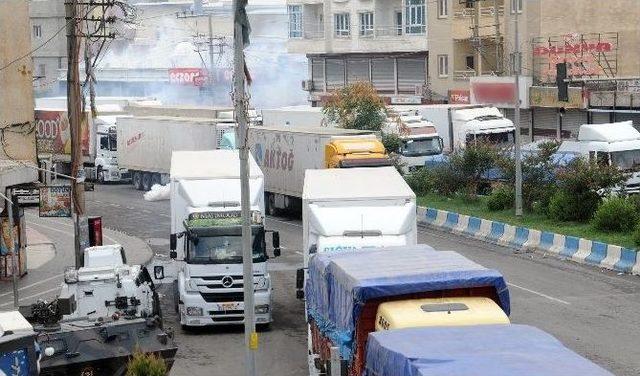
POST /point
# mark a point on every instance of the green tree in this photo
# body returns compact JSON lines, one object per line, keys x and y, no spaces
{"x":142,"y":364}
{"x":356,"y":106}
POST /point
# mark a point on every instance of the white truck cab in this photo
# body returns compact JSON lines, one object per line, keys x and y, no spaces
{"x":463,"y":125}
{"x":616,"y":144}
{"x":419,"y":137}
{"x":105,"y":166}
{"x":355,"y":209}
{"x":206,"y":235}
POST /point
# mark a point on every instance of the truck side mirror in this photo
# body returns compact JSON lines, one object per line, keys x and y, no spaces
{"x":276,"y":244}
{"x":158,"y":272}
{"x":441,"y":141}
{"x":173,"y":255}
{"x":173,"y":242}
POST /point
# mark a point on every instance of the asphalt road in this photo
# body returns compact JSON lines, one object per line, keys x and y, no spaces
{"x":593,"y":312}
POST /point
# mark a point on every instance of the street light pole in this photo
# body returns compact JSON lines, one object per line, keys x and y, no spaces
{"x":517,"y":62}
{"x":239,"y":99}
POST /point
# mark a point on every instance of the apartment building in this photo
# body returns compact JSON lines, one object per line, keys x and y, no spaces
{"x":47,"y":21}
{"x":471,"y":45}
{"x":379,"y":41}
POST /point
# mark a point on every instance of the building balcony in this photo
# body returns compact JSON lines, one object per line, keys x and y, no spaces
{"x":315,"y":39}
{"x":466,"y":74}
{"x":464,"y":23}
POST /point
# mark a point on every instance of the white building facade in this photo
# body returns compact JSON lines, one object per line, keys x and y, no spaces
{"x":383,"y":42}
{"x":47,"y":21}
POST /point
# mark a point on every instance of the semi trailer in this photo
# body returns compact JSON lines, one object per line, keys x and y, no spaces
{"x":145,"y":144}
{"x":285,"y":153}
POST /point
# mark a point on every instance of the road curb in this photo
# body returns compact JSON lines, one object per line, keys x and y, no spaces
{"x":580,"y":250}
{"x":137,"y":250}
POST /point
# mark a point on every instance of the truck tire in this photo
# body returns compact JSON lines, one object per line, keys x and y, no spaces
{"x":137,"y":180}
{"x":100,"y":175}
{"x":272,"y":211}
{"x":176,"y":296}
{"x":146,"y":181}
{"x":156,"y":179}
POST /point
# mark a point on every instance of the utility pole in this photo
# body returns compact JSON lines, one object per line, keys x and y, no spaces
{"x":74,"y":108}
{"x":239,"y":99}
{"x":517,"y":62}
{"x":14,"y":261}
{"x":498,"y":39}
{"x":210,"y":51}
{"x":476,"y":37}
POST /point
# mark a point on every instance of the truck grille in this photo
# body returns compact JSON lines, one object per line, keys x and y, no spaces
{"x":216,"y":282}
{"x":222,"y":297}
{"x":228,"y":319}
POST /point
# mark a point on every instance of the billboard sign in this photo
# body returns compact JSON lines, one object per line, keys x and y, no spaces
{"x":587,"y":56}
{"x":499,"y":91}
{"x":188,"y":76}
{"x":459,"y":96}
{"x":53,"y":135}
{"x":55,"y":201}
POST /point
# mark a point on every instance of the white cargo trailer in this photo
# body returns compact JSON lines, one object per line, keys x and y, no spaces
{"x":285,"y":153}
{"x":145,"y":144}
{"x":355,"y":209}
{"x":294,"y":116}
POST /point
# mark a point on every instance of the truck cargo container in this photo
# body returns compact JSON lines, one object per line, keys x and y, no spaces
{"x":145,"y":144}
{"x":284,"y":154}
{"x":356,"y":208}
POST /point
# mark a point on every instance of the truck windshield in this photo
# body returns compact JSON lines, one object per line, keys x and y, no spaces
{"x":492,"y":138}
{"x":421,"y":147}
{"x":626,"y":159}
{"x":108,"y":141}
{"x":224,"y":249}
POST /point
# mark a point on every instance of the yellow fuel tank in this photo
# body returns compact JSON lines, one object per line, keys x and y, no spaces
{"x":457,"y":311}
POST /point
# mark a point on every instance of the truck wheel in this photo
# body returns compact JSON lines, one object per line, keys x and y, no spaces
{"x":263,"y":327}
{"x":137,"y":180}
{"x":146,"y":181}
{"x":176,"y":296}
{"x":100,"y":175}
{"x":271,"y":205}
{"x":155,"y":179}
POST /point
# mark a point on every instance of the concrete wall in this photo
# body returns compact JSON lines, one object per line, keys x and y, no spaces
{"x":16,"y":90}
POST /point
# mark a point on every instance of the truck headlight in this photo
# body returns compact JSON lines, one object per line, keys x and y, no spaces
{"x":262,"y":283}
{"x":191,"y":286}
{"x":194,"y":311}
{"x":262,"y":309}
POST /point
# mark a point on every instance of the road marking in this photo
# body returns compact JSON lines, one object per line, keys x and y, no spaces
{"x":31,"y":285}
{"x":300,"y":253}
{"x":539,"y":294}
{"x":32,"y":296}
{"x":285,"y":222}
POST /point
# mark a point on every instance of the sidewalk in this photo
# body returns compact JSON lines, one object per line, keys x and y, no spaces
{"x":50,"y":249}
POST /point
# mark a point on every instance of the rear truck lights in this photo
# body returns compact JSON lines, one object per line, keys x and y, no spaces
{"x":262,"y":309}
{"x":194,"y":311}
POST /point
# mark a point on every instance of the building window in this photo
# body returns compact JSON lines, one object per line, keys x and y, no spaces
{"x":399,"y":22}
{"x":443,"y":8}
{"x":415,"y":17}
{"x":342,"y":24}
{"x":42,"y":70}
{"x":471,"y":62}
{"x":366,"y":24}
{"x":443,"y":65}
{"x":37,"y":31}
{"x":295,"y":21}
{"x":516,"y":6}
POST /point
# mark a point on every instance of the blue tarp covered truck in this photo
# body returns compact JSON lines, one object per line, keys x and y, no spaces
{"x":415,"y":311}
